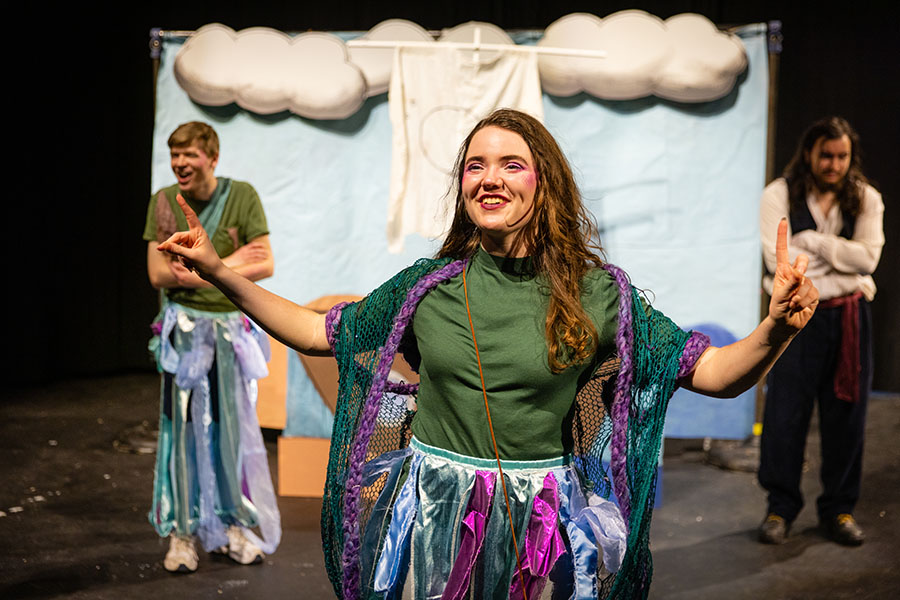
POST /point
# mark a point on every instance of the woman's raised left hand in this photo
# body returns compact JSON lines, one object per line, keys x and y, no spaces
{"x":794,"y":297}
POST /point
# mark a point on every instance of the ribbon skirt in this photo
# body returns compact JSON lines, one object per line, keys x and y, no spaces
{"x":211,"y":465}
{"x":441,"y":529}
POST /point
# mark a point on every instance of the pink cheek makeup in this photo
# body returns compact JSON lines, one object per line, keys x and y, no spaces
{"x":530,"y":179}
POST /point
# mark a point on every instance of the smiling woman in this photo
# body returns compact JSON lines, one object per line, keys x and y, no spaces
{"x":498,"y":185}
{"x":511,"y":157}
{"x":535,"y":357}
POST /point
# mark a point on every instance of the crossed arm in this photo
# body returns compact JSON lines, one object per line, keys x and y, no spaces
{"x":829,"y":254}
{"x":723,"y":372}
{"x":252,"y":260}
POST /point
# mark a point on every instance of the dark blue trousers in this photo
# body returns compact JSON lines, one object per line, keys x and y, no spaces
{"x":802,"y":378}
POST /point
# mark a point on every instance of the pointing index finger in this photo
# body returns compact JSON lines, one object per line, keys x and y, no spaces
{"x":189,"y":213}
{"x":781,"y":249}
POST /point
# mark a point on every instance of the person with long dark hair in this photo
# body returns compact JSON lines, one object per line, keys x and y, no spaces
{"x":835,"y":217}
{"x":526,"y":457}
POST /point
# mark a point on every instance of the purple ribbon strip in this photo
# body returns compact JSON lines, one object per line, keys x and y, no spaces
{"x":543,"y":542}
{"x":472,"y":535}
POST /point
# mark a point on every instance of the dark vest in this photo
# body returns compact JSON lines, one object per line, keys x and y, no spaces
{"x":802,"y":219}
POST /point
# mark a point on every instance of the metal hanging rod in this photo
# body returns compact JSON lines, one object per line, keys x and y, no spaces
{"x":157,"y":34}
{"x":474,"y":46}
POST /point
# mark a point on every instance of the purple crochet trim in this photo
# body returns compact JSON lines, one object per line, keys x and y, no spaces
{"x":404,"y":389}
{"x":367,"y":422}
{"x":695,"y":346}
{"x":622,"y":398}
{"x":332,"y":319}
{"x":156,"y":327}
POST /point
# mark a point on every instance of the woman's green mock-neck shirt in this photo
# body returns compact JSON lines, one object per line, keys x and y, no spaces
{"x":531,"y":408}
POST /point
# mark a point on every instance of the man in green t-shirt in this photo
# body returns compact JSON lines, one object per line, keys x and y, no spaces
{"x":210,"y":482}
{"x":241,"y":238}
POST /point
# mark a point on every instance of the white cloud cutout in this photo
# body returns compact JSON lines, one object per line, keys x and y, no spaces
{"x":266,"y":71}
{"x":684,"y":58}
{"x":376,"y":63}
{"x":316,"y":75}
{"x":465,"y":33}
{"x":487,"y":33}
{"x":636,"y":47}
{"x":705,"y":64}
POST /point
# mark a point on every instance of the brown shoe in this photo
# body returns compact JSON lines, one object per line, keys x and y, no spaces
{"x":844,"y":529}
{"x":774,"y":530}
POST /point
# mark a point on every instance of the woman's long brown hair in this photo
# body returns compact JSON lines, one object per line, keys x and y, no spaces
{"x":561,"y":237}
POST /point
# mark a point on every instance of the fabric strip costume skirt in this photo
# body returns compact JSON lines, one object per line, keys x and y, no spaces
{"x":211,"y":465}
{"x":441,"y":529}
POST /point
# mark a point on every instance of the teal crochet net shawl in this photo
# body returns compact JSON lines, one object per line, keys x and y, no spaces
{"x":623,"y":408}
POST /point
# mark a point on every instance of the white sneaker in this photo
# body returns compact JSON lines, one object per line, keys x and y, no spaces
{"x":240,"y":549}
{"x":182,"y":556}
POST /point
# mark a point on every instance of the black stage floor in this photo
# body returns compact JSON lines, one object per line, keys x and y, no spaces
{"x":73,"y":520}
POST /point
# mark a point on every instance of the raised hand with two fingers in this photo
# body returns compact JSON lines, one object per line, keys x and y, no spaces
{"x":794,"y":297}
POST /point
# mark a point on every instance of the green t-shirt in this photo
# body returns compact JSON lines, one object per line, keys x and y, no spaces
{"x":531,"y":408}
{"x":243,"y":220}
